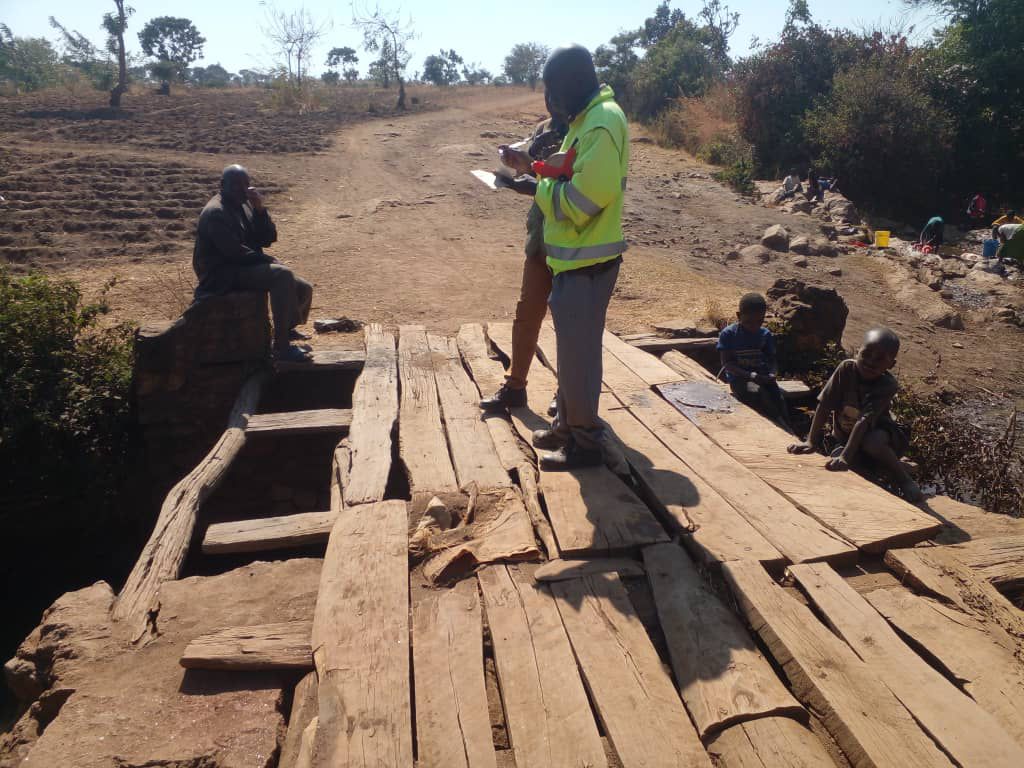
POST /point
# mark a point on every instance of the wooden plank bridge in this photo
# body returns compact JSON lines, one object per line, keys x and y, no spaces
{"x":620,"y":612}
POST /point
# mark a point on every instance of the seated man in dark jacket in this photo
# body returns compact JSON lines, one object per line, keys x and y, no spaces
{"x":233,"y":230}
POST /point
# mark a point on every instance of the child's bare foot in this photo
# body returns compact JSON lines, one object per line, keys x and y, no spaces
{"x":799,"y":448}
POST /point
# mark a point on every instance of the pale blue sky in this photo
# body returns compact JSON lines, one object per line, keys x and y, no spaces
{"x":473,"y":28}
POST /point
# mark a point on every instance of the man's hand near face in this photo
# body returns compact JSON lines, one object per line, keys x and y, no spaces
{"x":255,"y":199}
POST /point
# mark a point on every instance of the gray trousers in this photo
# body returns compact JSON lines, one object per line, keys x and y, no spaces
{"x":579,"y":303}
{"x":290,"y":296}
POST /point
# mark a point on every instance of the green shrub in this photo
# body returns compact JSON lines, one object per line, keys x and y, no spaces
{"x":64,"y":399}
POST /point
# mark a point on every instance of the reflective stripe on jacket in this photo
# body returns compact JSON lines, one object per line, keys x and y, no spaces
{"x":583,"y":216}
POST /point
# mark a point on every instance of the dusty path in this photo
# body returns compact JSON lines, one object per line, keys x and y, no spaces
{"x":389,"y":226}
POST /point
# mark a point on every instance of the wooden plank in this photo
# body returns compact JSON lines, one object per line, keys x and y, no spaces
{"x":643,"y":364}
{"x":711,"y":528}
{"x":936,"y":571}
{"x":858,"y":510}
{"x":472,"y":449}
{"x":560,"y":570}
{"x":769,"y":742}
{"x":284,"y":645}
{"x":591,"y":510}
{"x":300,"y":422}
{"x":165,"y":551}
{"x":980,"y":660}
{"x":654,"y":344}
{"x":374,"y":413}
{"x":966,"y":732}
{"x":546,"y":709}
{"x":998,"y":559}
{"x":327,"y":360}
{"x":303,"y":712}
{"x":488,"y":375}
{"x":266,"y":533}
{"x":798,"y":537}
{"x":361,"y":641}
{"x":868,"y":723}
{"x":453,"y":729}
{"x":421,"y":438}
{"x":721,"y":675}
{"x":688,"y":368}
{"x":638,"y":705}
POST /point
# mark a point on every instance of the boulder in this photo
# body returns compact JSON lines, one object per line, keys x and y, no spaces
{"x":801,"y":245}
{"x":836,"y":272}
{"x":755,"y":254}
{"x":799,"y":261}
{"x":823,"y":247}
{"x":930,"y":277}
{"x":985,"y":280}
{"x":841,"y":210}
{"x":953,"y":268}
{"x":989,"y":265}
{"x":776,"y":237}
{"x":813,"y":316}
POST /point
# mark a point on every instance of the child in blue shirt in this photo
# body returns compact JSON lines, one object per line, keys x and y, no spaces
{"x":747,"y":351}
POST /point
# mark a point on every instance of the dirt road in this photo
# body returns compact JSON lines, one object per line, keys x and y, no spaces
{"x":389,"y":226}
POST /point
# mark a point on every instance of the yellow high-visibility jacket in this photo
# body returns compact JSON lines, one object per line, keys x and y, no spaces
{"x":583,"y":216}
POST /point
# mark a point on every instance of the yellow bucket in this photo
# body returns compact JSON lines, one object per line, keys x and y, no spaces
{"x":882,"y":238}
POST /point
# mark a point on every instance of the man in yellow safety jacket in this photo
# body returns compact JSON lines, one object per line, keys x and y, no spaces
{"x":581,"y":200}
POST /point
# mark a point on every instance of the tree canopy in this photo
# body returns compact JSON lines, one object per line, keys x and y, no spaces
{"x":525,"y":63}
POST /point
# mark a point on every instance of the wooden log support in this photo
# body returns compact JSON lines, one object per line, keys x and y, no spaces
{"x":313,"y":422}
{"x":546,"y":709}
{"x":421,"y":438}
{"x":284,"y":645}
{"x":326,"y":360}
{"x":978,"y":657}
{"x":374,"y":414}
{"x":856,"y":509}
{"x":473,"y":452}
{"x":640,"y":709}
{"x":722,"y":676}
{"x":867,"y":721}
{"x":361,"y":641}
{"x":453,"y":729}
{"x":162,"y":557}
{"x":654,"y":344}
{"x":304,"y":708}
{"x":644,"y":365}
{"x":268,"y":533}
{"x":969,"y":734}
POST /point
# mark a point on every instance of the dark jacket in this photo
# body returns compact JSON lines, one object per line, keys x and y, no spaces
{"x":229,"y":237}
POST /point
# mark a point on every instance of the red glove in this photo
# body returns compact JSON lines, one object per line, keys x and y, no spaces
{"x":557,"y":166}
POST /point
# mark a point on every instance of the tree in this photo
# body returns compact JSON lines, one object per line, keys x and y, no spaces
{"x":474,"y":74}
{"x":29,"y":63}
{"x":385,"y":33}
{"x":294,"y":35}
{"x":523,"y":66}
{"x":351,"y":74}
{"x":96,"y":64}
{"x":115,"y":24}
{"x":442,"y":69}
{"x":212,"y":76}
{"x":174,"y":43}
{"x":251,"y":77}
{"x":340,"y":56}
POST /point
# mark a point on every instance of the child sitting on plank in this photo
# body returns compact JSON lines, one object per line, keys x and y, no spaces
{"x":747,"y":351}
{"x":856,"y":399}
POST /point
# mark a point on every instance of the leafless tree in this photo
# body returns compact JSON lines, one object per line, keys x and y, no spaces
{"x":385,"y":33}
{"x":294,"y":35}
{"x":115,"y":24}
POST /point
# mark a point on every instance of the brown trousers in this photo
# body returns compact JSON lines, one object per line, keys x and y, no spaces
{"x":530,"y":311}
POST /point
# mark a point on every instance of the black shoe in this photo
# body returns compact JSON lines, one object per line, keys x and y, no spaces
{"x":553,"y":408}
{"x":547,"y":440}
{"x":296,"y":335}
{"x":503,"y":399}
{"x":571,"y":456}
{"x":292,"y":354}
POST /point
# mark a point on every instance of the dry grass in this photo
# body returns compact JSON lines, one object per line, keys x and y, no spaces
{"x":695,"y":122}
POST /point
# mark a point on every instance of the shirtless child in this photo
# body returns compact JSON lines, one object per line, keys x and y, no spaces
{"x":857,"y":399}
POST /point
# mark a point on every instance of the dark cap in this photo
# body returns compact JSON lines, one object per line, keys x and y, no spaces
{"x":570,"y":80}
